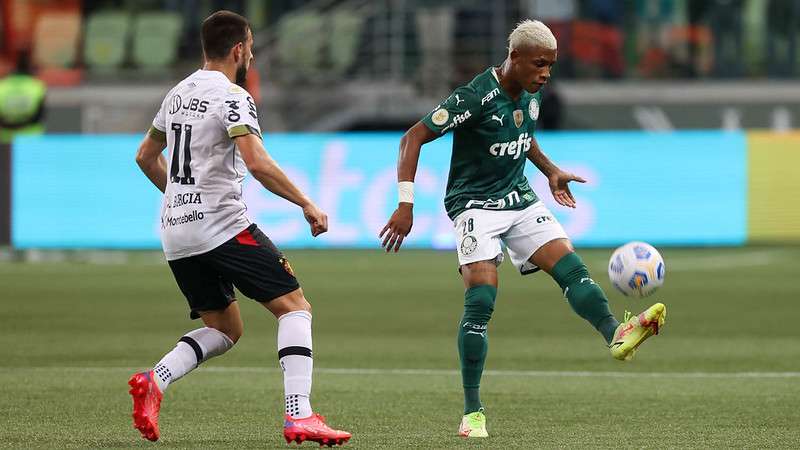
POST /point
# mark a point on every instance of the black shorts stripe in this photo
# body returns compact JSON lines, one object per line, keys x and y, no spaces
{"x":296,"y":350}
{"x":198,"y":352}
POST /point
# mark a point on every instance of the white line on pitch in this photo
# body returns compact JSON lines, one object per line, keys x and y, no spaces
{"x":442,"y":372}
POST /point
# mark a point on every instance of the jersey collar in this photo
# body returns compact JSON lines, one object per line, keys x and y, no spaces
{"x":522,"y":97}
{"x":211,"y":74}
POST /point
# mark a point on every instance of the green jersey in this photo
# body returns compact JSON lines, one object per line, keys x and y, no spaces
{"x":491,"y":137}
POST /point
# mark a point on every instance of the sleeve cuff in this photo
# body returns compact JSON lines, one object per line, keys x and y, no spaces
{"x":242,"y":130}
{"x":432,"y":127}
{"x":157,"y":134}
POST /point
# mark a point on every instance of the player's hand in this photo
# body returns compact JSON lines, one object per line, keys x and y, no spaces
{"x":398,"y":227}
{"x":560,"y":189}
{"x":316,"y":218}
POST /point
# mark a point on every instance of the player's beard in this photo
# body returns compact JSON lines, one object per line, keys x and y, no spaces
{"x":241,"y":76}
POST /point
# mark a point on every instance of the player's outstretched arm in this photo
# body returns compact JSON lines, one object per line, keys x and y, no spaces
{"x":150,"y":159}
{"x":399,"y":225}
{"x":556,"y":177}
{"x":270,"y":175}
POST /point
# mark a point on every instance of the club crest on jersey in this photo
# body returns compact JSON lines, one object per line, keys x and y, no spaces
{"x":518,"y":117}
{"x":533,"y":109}
{"x":286,"y":266}
{"x":439,"y":117}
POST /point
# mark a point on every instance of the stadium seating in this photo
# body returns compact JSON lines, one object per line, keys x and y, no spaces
{"x":345,"y":33}
{"x":106,"y":39}
{"x":300,"y":43}
{"x":55,"y":47}
{"x":55,"y":38}
{"x":155,"y":40}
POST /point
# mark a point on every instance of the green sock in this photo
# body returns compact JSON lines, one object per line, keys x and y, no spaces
{"x":584,"y":295}
{"x":472,"y":400}
{"x":472,"y":341}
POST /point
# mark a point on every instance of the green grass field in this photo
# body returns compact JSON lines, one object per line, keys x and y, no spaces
{"x":725,"y":372}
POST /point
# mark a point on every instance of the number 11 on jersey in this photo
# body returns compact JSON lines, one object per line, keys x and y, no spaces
{"x":186,"y":130}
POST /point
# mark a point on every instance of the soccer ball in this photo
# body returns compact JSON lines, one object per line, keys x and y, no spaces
{"x":636,"y":269}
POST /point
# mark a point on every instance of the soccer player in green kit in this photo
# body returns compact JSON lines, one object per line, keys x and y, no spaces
{"x":490,"y":201}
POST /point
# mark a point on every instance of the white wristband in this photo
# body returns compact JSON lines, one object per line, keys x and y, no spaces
{"x":405,"y":191}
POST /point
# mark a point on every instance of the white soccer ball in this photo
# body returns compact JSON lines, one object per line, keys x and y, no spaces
{"x":636,"y":269}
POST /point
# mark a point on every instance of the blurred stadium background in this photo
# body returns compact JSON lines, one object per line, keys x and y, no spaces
{"x":683,"y":115}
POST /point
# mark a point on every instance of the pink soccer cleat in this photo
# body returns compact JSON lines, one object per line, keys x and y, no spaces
{"x":146,"y":404}
{"x":313,"y":428}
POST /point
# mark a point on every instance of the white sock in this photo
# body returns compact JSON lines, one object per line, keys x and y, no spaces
{"x":294,"y":354}
{"x":193,"y":348}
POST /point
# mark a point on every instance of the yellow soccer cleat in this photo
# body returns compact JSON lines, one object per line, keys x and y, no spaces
{"x":634,"y":330}
{"x":473,"y":425}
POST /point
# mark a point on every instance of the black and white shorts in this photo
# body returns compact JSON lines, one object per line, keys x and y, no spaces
{"x":249,"y":261}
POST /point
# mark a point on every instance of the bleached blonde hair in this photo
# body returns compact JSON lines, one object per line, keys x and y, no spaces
{"x":531,"y":33}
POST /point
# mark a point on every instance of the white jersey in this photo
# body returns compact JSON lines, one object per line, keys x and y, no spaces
{"x":202,"y":206}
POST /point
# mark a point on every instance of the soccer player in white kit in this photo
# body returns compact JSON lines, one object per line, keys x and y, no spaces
{"x":210,"y":126}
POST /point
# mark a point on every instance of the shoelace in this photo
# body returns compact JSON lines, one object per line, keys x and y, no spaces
{"x":627,"y":316}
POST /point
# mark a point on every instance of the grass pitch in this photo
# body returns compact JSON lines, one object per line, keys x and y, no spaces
{"x":725,"y":372}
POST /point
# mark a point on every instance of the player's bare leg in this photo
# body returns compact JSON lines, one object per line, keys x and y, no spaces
{"x":223,"y":328}
{"x":480,"y":281}
{"x":295,"y":355}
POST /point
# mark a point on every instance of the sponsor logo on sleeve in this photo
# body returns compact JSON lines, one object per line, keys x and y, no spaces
{"x":233,"y":110}
{"x":252,"y":108}
{"x":458,"y":120}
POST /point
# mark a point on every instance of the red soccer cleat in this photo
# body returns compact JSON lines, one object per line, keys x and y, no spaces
{"x":313,"y":428}
{"x":146,"y":404}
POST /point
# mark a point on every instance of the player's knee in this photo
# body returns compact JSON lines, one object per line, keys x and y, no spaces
{"x":233,"y":332}
{"x":233,"y":329}
{"x":295,"y":301}
{"x":303,"y":305}
{"x":291,"y":302}
{"x":479,"y":303}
